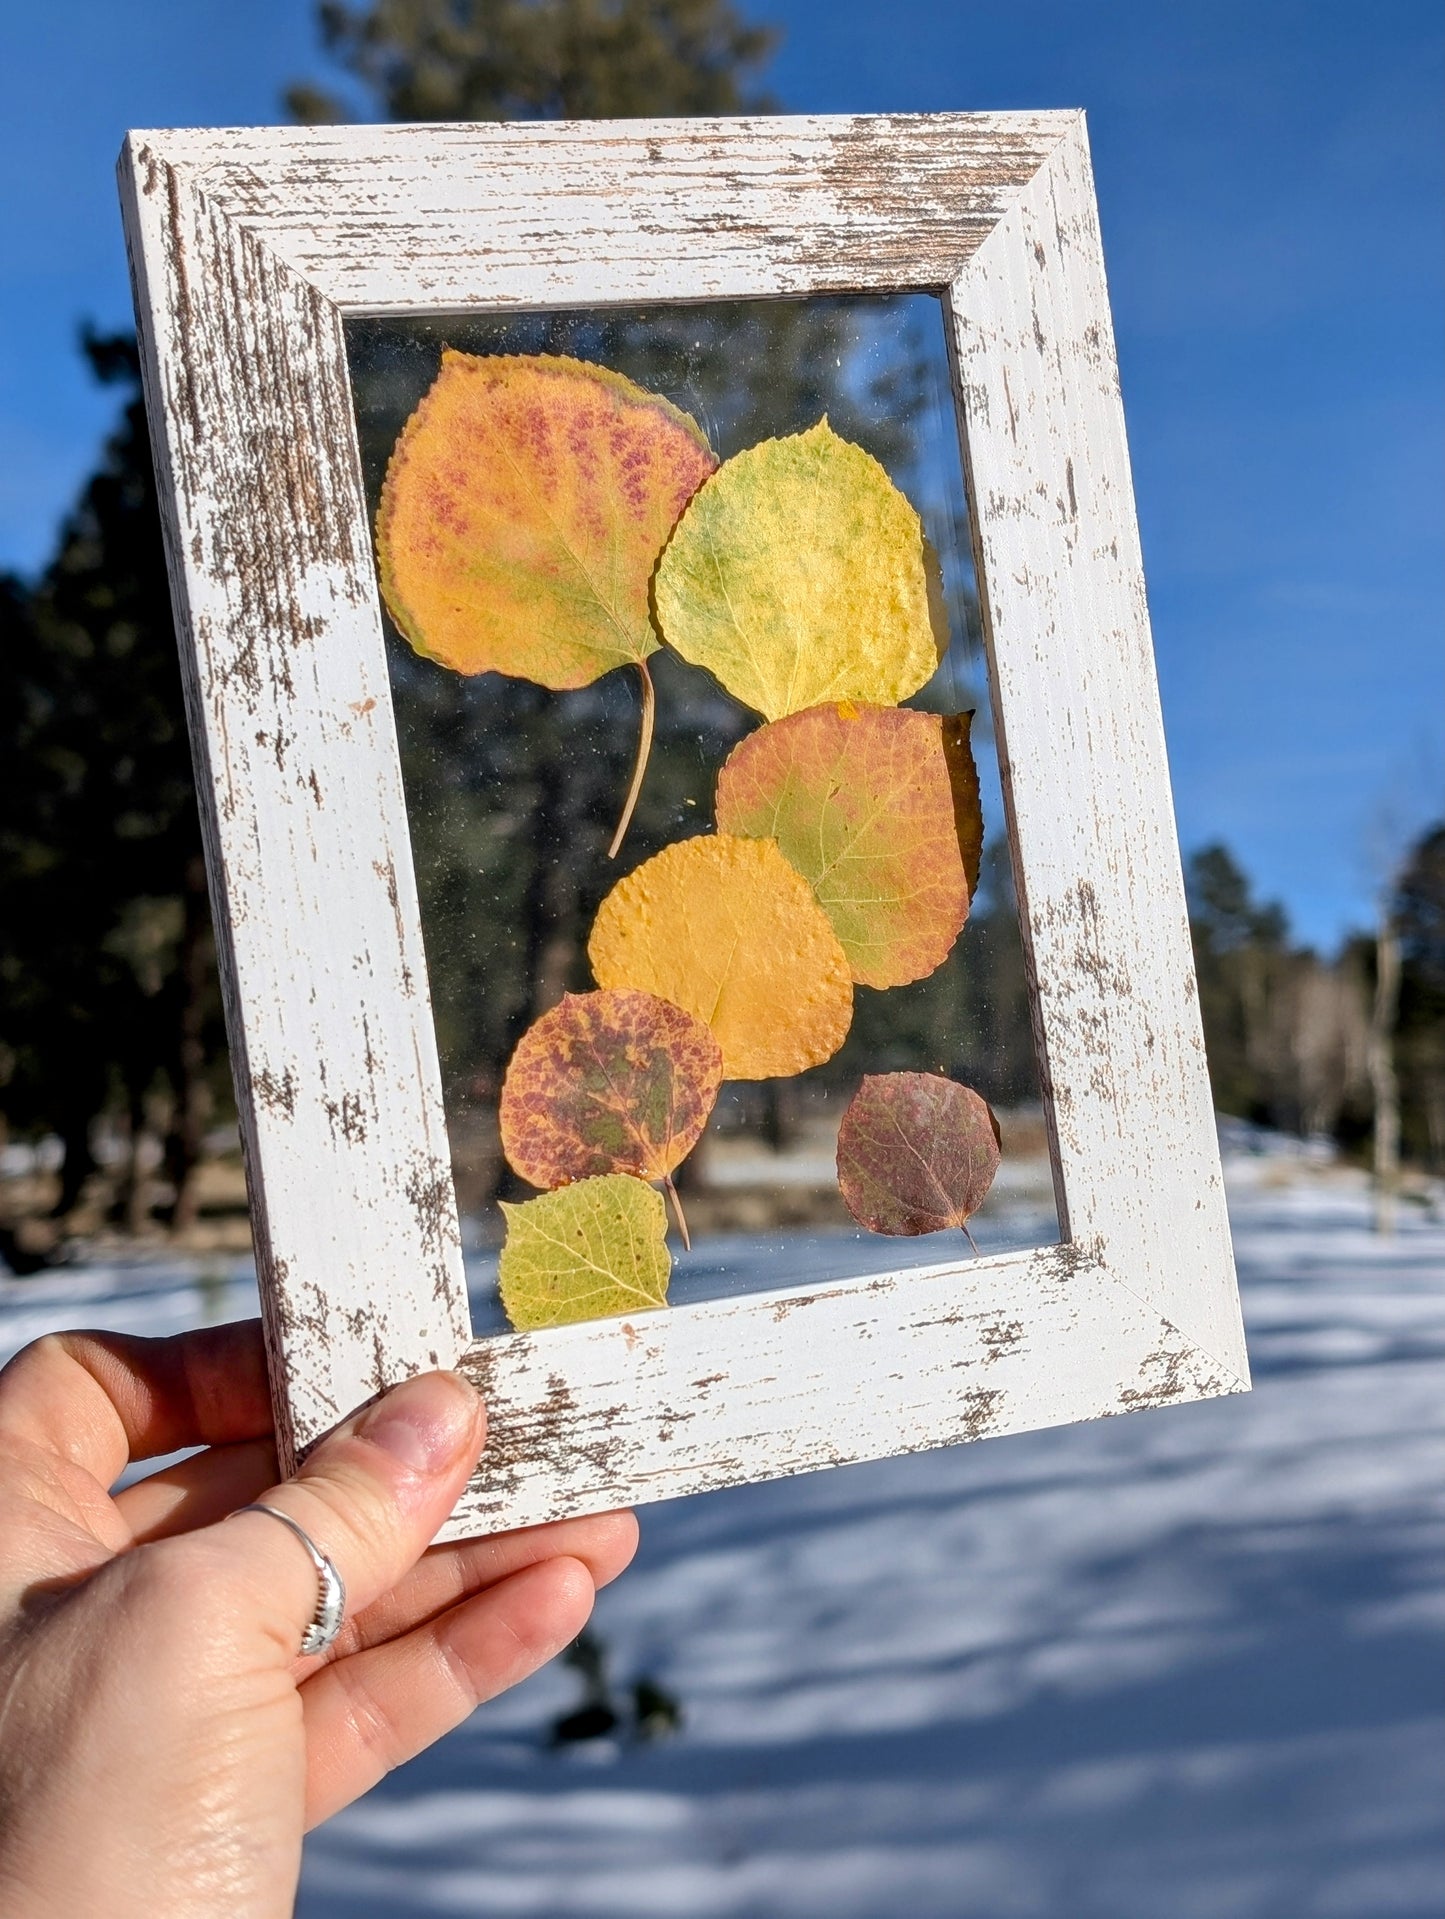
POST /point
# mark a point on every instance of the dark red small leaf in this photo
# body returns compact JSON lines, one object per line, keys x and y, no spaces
{"x":916,"y":1153}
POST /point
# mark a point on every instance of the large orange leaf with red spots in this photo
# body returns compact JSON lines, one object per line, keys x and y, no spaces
{"x":525,"y":506}
{"x":524,"y":509}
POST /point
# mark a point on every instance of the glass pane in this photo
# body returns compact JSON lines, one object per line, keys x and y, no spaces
{"x":513,"y":793}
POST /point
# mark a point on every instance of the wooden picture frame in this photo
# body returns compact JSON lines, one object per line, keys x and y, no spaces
{"x":249,"y":248}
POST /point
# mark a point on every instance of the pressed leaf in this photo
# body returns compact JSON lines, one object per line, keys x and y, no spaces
{"x":585,"y":1252}
{"x":525,"y":505}
{"x":610,"y":1082}
{"x":916,"y":1153}
{"x":728,"y":930}
{"x":524,"y":508}
{"x":861,"y":799}
{"x":798,"y":575}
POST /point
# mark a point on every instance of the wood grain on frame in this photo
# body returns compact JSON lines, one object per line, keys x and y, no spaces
{"x":248,"y":249}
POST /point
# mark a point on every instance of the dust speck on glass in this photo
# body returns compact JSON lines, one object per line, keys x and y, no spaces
{"x":514,"y":793}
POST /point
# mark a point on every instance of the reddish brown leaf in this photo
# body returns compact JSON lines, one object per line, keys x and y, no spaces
{"x":916,"y":1153}
{"x":963,"y":782}
{"x":609,"y":1082}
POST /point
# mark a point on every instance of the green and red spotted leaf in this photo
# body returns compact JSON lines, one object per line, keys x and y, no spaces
{"x":608,"y":1082}
{"x":917,"y":1153}
{"x":872,"y":806}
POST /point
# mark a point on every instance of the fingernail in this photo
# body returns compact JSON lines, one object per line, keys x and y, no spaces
{"x":423,"y":1423}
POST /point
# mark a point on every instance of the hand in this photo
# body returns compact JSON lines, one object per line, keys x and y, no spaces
{"x":162,"y":1746}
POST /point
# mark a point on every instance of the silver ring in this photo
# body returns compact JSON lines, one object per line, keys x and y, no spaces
{"x":331,"y":1596}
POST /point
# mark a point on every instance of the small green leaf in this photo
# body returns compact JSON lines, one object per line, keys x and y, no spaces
{"x":589,"y":1251}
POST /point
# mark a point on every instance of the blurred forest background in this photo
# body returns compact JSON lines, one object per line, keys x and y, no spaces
{"x":115,"y":1095}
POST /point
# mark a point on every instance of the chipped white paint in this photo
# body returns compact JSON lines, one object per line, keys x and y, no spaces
{"x":1080,"y":735}
{"x":248,"y":247}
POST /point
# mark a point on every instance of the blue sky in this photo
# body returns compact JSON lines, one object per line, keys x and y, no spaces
{"x":1270,"y":178}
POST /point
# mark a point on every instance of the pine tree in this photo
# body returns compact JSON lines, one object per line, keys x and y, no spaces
{"x":1419,"y":917}
{"x":541,"y":59}
{"x":111,"y":1000}
{"x":109,"y":992}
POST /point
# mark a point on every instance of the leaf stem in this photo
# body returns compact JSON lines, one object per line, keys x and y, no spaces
{"x":677,"y":1208}
{"x":644,"y":749}
{"x":971,"y":1240}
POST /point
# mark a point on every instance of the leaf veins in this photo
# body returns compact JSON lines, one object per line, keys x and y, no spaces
{"x":916,"y":1153}
{"x":588,"y":1251}
{"x":869,"y":804}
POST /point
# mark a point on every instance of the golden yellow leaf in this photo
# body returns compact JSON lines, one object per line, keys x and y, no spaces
{"x":588,"y":1251}
{"x":797,"y":575}
{"x":728,"y":930}
{"x":524,"y":508}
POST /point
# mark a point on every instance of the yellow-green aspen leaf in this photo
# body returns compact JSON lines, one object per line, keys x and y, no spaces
{"x":798,"y":575}
{"x":590,"y":1251}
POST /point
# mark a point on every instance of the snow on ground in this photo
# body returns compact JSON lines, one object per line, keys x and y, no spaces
{"x":1184,"y":1664}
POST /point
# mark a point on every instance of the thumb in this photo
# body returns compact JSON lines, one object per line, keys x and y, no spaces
{"x":371,"y":1496}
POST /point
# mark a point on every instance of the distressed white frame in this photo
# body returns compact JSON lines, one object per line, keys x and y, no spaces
{"x":249,"y":248}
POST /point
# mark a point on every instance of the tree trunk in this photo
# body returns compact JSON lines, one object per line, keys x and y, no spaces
{"x":1383,"y":1077}
{"x":546,"y":935}
{"x":78,"y":1164}
{"x":132,"y":1200}
{"x":778,"y":1128}
{"x":187,"y":1130}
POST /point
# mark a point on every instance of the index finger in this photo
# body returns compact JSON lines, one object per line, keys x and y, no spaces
{"x":101,"y":1400}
